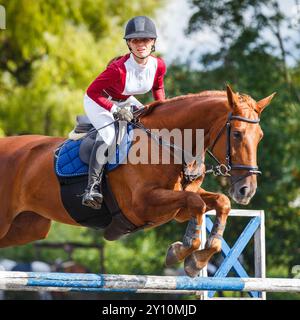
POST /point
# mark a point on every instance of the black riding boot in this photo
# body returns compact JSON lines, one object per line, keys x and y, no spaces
{"x":93,"y":195}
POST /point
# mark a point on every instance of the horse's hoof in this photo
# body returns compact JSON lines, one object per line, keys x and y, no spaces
{"x":172,"y":254}
{"x":194,"y":263}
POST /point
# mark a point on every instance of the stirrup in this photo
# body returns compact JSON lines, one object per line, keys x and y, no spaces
{"x":92,"y":199}
{"x":94,"y":202}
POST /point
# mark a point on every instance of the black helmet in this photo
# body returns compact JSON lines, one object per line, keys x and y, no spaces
{"x":140,"y":27}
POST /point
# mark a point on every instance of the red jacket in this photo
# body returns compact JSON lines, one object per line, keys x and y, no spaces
{"x":125,"y":75}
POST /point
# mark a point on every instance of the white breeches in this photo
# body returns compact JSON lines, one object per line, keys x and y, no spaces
{"x":100,"y":117}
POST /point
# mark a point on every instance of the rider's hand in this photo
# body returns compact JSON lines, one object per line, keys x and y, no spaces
{"x":123,"y":114}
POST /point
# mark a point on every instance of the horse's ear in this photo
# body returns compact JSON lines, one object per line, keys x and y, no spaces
{"x":261,"y":104}
{"x":232,"y":97}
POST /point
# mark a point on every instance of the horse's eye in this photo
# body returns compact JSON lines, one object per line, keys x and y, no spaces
{"x":237,"y":135}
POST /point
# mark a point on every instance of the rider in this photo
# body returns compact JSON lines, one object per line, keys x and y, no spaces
{"x":110,"y":95}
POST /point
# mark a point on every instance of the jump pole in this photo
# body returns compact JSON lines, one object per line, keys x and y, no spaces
{"x":134,"y":283}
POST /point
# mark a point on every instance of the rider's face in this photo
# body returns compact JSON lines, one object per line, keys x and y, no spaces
{"x":141,"y":47}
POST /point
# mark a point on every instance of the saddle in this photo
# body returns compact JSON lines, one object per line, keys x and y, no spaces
{"x":74,"y":154}
{"x":71,"y":166}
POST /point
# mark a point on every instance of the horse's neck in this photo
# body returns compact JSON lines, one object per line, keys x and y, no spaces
{"x":199,"y":113}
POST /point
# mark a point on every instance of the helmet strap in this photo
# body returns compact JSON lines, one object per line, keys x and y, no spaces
{"x":152,"y":50}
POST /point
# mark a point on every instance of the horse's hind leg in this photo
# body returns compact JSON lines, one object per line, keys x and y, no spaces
{"x":26,"y":227}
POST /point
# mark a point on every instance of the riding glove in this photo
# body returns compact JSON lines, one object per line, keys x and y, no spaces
{"x":122,"y":114}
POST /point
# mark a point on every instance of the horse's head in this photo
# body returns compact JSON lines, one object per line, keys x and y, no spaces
{"x":240,"y":141}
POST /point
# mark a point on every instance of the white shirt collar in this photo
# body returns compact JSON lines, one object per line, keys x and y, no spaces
{"x":137,"y":65}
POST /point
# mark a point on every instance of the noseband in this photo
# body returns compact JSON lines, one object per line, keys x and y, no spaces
{"x":222,"y":169}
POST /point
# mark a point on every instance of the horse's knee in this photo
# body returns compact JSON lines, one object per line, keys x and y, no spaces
{"x":223,"y":202}
{"x":194,"y":201}
{"x":183,"y":215}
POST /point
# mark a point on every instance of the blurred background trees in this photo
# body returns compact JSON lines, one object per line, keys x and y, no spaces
{"x":256,"y":64}
{"x":51,"y":51}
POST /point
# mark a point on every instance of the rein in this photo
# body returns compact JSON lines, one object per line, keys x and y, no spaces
{"x":159,"y":140}
{"x":221,"y":169}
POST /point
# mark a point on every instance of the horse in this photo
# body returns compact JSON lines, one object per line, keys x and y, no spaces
{"x":149,"y":195}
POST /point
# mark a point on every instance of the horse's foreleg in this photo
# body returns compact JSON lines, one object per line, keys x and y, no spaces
{"x":26,"y":227}
{"x":196,"y":207}
{"x":199,"y":258}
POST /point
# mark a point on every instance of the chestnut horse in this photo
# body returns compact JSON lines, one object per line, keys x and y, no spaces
{"x":30,"y":191}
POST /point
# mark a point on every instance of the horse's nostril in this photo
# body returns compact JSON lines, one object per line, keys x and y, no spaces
{"x":243,"y":190}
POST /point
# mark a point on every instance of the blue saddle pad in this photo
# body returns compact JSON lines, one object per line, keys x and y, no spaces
{"x":69,"y":164}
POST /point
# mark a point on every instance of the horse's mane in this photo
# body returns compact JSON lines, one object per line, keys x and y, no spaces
{"x":185,"y":96}
{"x":208,"y":93}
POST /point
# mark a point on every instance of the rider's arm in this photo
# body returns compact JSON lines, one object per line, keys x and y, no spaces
{"x":158,"y":90}
{"x":134,"y":101}
{"x":103,"y":81}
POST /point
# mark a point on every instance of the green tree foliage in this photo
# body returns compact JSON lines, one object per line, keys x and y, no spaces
{"x":50,"y":52}
{"x":242,"y":26}
{"x":252,"y":65}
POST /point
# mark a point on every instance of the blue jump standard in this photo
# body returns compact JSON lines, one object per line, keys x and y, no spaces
{"x":231,"y":255}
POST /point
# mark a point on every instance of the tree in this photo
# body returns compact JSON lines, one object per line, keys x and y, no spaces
{"x":251,"y":63}
{"x":248,"y":20}
{"x":50,"y":52}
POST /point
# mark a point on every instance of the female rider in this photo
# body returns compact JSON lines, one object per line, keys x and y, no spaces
{"x":110,"y":96}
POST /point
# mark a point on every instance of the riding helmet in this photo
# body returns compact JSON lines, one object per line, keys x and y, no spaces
{"x":140,"y":27}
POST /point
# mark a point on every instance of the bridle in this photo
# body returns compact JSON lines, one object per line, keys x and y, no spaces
{"x":222,"y":169}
